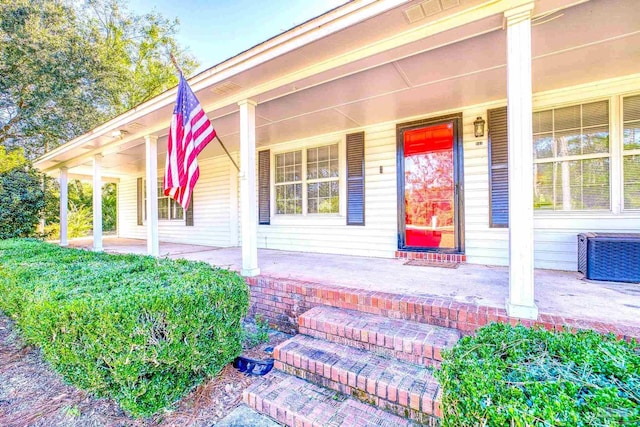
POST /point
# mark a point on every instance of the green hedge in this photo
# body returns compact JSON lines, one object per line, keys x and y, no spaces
{"x":514,"y":376}
{"x":140,"y":330}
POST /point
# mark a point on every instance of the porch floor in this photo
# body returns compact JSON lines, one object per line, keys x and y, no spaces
{"x":557,"y":293}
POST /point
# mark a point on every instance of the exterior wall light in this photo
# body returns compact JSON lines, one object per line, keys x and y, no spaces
{"x":118,"y":133}
{"x":478,"y":127}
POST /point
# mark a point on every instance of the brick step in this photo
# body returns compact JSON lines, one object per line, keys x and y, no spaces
{"x":295,"y":402}
{"x":403,"y":339}
{"x":405,"y":389}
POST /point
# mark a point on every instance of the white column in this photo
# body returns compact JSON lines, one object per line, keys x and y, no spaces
{"x":151,"y":148}
{"x":519,"y":101}
{"x":234,"y":212}
{"x":248,"y":193}
{"x":64,"y":206}
{"x":97,"y":202}
{"x":42,"y":223}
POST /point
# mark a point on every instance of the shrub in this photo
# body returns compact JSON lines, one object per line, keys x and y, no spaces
{"x":256,"y":332}
{"x":79,"y":223}
{"x":21,"y":202}
{"x":514,"y":376}
{"x":80,"y":219}
{"x":138,"y":329}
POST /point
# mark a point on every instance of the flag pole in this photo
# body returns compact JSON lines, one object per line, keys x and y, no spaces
{"x":228,"y":155}
{"x":175,"y":64}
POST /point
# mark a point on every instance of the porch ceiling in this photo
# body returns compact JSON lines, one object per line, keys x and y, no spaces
{"x":465,"y":65}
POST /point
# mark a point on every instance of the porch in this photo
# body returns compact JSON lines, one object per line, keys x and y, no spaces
{"x":291,"y":281}
{"x":350,"y":83}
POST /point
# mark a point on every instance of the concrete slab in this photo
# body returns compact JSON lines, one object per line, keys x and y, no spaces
{"x":137,"y":246}
{"x":243,"y":416}
{"x":556,"y":292}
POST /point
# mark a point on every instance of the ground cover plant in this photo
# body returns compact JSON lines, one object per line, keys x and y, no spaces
{"x":515,"y":376}
{"x":141,"y":330}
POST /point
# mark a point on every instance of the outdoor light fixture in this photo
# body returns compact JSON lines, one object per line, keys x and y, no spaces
{"x":478,"y":127}
{"x":118,"y":133}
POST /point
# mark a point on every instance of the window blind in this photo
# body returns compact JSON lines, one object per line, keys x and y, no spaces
{"x":188,"y":214}
{"x":498,"y":168}
{"x":631,"y":152}
{"x":140,"y":204}
{"x":355,"y":178}
{"x":264,"y":187}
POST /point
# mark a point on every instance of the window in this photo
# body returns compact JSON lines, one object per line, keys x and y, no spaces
{"x":631,"y":151}
{"x":580,"y":163}
{"x":307,"y":181}
{"x":571,"y":158}
{"x":322,"y":179}
{"x":289,"y":183}
{"x":167,"y":207}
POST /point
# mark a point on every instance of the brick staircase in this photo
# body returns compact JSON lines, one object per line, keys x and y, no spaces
{"x":350,"y":368}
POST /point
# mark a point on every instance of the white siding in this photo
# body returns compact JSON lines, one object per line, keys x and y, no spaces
{"x":330,"y":234}
{"x":556,"y":240}
{"x":128,"y":209}
{"x":217,"y":201}
{"x":212,"y":209}
{"x":483,"y":245}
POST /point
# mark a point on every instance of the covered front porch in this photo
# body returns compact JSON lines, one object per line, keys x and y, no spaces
{"x":350,"y":82}
{"x":560,"y":295}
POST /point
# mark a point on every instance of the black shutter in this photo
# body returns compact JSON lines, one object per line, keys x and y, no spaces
{"x":264,"y":187}
{"x":355,"y":178}
{"x":498,"y":168}
{"x":140,"y":202}
{"x":188,"y":214}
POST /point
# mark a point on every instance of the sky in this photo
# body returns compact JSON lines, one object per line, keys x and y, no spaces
{"x":216,"y":30}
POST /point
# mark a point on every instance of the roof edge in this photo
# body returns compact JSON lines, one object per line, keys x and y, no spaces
{"x":314,"y":29}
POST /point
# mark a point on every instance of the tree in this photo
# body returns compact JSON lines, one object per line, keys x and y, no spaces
{"x":67,"y":68}
{"x":429,"y":188}
{"x":48,"y":92}
{"x":21,"y":202}
{"x":134,"y":50}
{"x":11,"y":160}
{"x":109,"y":207}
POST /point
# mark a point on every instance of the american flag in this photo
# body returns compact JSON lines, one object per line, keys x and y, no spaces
{"x":190,"y":132}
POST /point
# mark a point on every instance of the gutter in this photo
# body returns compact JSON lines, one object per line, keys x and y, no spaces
{"x":317,"y":28}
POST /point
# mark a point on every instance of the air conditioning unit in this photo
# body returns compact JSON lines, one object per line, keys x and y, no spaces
{"x":613,"y":257}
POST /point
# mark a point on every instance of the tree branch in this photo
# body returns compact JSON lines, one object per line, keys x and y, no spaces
{"x":4,"y":130}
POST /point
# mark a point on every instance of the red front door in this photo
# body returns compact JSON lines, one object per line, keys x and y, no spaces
{"x":429,"y":187}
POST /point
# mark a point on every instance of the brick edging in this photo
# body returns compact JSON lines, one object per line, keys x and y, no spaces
{"x":431,"y":256}
{"x":282,"y":301}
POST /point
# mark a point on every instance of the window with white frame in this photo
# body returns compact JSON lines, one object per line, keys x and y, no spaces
{"x":289,"y":183}
{"x":631,"y":151}
{"x":168,"y":208}
{"x":307,"y":181}
{"x":572,"y":158}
